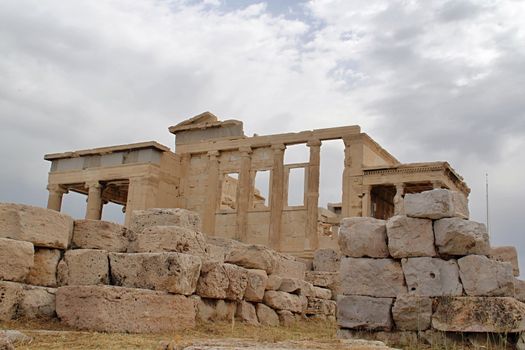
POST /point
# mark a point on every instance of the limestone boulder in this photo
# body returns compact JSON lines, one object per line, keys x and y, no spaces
{"x":455,"y":236}
{"x":436,"y":204}
{"x":16,"y":259}
{"x":285,"y":301}
{"x":316,"y":306}
{"x":429,"y":277}
{"x":482,"y":276}
{"x":412,"y":313}
{"x":222,"y":281}
{"x":247,"y":313}
{"x":213,"y":310}
{"x":157,"y":239}
{"x":506,"y":254}
{"x":266,"y":315}
{"x":363,"y":237}
{"x":478,"y":314}
{"x":252,"y":257}
{"x":99,"y":234}
{"x":322,"y":293}
{"x":286,"y":318}
{"x":83,"y":267}
{"x":118,"y":309}
{"x":171,"y":272}
{"x":256,"y":286}
{"x":10,"y":295}
{"x":326,"y":260}
{"x":372,"y":277}
{"x":238,"y":281}
{"x":274,"y":282}
{"x":44,"y":270}
{"x":16,"y":337}
{"x":37,"y":302}
{"x":362,"y":312}
{"x":289,"y":266}
{"x":219,"y":247}
{"x":141,"y":219}
{"x":519,"y":290}
{"x":322,"y":279}
{"x":410,"y":237}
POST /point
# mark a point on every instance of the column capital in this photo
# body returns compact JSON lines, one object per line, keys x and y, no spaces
{"x":56,"y":188}
{"x":437,"y":184}
{"x":278,"y":147}
{"x":213,"y":154}
{"x":245,"y":151}
{"x":400,"y":186}
{"x":314,"y":143}
{"x":92,"y":184}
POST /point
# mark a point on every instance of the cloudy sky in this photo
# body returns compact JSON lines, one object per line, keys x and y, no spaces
{"x":429,"y":80}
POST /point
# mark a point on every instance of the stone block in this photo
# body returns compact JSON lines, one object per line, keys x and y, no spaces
{"x":519,"y":290}
{"x":326,"y":260}
{"x":412,"y":313}
{"x":118,"y":309}
{"x":316,"y":306}
{"x":285,"y":301}
{"x":455,"y":236}
{"x":141,"y":219}
{"x":17,"y":259}
{"x":37,"y":302}
{"x":44,"y":270}
{"x":238,"y":281}
{"x":222,"y":281}
{"x":266,"y":315}
{"x":362,"y":312}
{"x":212,"y":310}
{"x":246,"y":313}
{"x":478,"y":314}
{"x":171,"y":272}
{"x":322,"y":293}
{"x":436,"y":204}
{"x":274,"y":282}
{"x":363,"y":237}
{"x":252,"y":257}
{"x":288,"y":266}
{"x":322,"y":279}
{"x":427,"y":276}
{"x":219,"y":247}
{"x":98,"y":234}
{"x":10,"y":295}
{"x":506,"y":254}
{"x":482,"y":276}
{"x":371,"y":277}
{"x":83,"y":267}
{"x":410,"y":237}
{"x":286,"y":318}
{"x":256,"y":286}
{"x":42,"y":227}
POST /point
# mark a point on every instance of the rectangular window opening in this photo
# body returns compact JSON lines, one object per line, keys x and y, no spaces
{"x":296,"y":183}
{"x":229,"y":192}
{"x":261,"y":190}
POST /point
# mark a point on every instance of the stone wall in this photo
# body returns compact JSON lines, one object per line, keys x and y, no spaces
{"x":430,"y":269}
{"x":161,"y":274}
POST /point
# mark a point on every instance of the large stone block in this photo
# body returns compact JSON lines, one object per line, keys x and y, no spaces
{"x":274,"y":282}
{"x":519,"y":290}
{"x":156,"y":239}
{"x":246,"y":313}
{"x":427,"y":276}
{"x":326,"y":260}
{"x":477,"y":314}
{"x":83,"y":267}
{"x":362,"y":312}
{"x":222,"y":281}
{"x":455,"y":236}
{"x":266,"y":315}
{"x":371,"y":277}
{"x":171,"y":272}
{"x":322,"y":293}
{"x":436,"y":204}
{"x":363,"y":237}
{"x":118,"y":309}
{"x":16,"y":259}
{"x":37,"y":302}
{"x":410,"y":237}
{"x":44,"y":270}
{"x":212,"y":310}
{"x":141,"y":219}
{"x":252,"y":257}
{"x":297,"y":286}
{"x":220,"y":247}
{"x":285,"y":301}
{"x":10,"y":296}
{"x":42,"y":227}
{"x":482,"y":276}
{"x":316,"y":306}
{"x":412,"y":312}
{"x":98,"y":234}
{"x":289,"y":266}
{"x":256,"y":286}
{"x":322,"y":279}
{"x":238,"y":281}
{"x":506,"y":254}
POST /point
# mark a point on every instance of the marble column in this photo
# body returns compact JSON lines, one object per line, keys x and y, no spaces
{"x":243,"y":193}
{"x":312,"y":195}
{"x":94,"y":200}
{"x":208,"y":221}
{"x":56,"y":192}
{"x":399,"y":208}
{"x":276,"y":196}
{"x":366,"y":201}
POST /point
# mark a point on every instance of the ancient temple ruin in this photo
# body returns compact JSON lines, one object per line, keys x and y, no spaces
{"x":213,"y":172}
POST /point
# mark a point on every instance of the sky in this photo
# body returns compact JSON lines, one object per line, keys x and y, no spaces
{"x":428,"y":80}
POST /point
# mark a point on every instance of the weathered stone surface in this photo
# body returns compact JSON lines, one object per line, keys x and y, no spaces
{"x":266,"y":315}
{"x":363,"y":237}
{"x":477,"y":314}
{"x":37,"y":302}
{"x":274,"y":282}
{"x":326,"y":260}
{"x":285,"y":301}
{"x":362,"y":312}
{"x":322,"y":279}
{"x":5,"y":344}
{"x":288,"y":266}
{"x":427,"y":276}
{"x":246,"y":313}
{"x":98,"y":234}
{"x":377,"y":339}
{"x":297,"y":286}
{"x":372,"y":277}
{"x":83,"y":267}
{"x":286,"y":318}
{"x":219,"y":247}
{"x":171,"y":272}
{"x":316,"y":306}
{"x":482,"y":276}
{"x":410,"y":237}
{"x":436,"y":204}
{"x":118,"y":309}
{"x":178,"y":239}
{"x":519,"y":290}
{"x":211,"y":310}
{"x":252,"y":257}
{"x":506,"y":254}
{"x":256,"y":285}
{"x":322,"y":293}
{"x":141,"y":219}
{"x":238,"y":281}
{"x":16,"y":337}
{"x":10,"y":296}
{"x":42,"y":227}
{"x":44,"y":270}
{"x":455,"y":236}
{"x":412,"y":312}
{"x":16,"y":259}
{"x":222,"y":281}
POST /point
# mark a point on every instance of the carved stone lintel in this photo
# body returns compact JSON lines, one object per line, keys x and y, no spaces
{"x":314,"y":143}
{"x":58,"y":189}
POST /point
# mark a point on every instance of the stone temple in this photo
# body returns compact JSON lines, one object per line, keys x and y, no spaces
{"x":213,"y":171}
